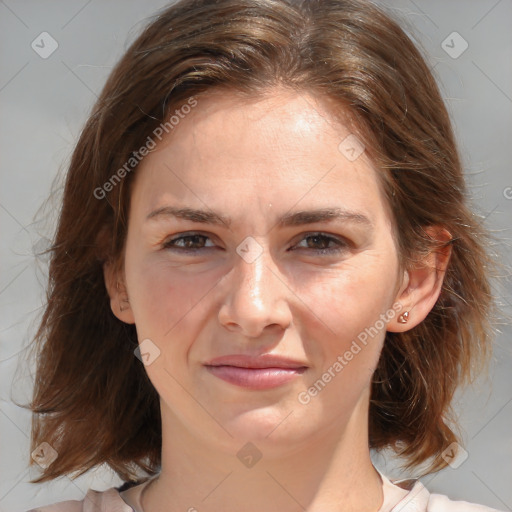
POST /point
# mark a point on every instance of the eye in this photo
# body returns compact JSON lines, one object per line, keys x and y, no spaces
{"x":187,"y":243}
{"x":322,"y":242}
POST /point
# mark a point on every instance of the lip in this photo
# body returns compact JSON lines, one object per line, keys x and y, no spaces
{"x":261,"y":361}
{"x":255,"y":372}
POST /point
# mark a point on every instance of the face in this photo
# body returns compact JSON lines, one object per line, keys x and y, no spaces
{"x":264,"y":271}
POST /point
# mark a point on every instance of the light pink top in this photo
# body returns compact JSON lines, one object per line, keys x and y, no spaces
{"x":399,"y":496}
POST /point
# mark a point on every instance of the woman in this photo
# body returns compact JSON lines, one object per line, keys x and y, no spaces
{"x":264,"y":267}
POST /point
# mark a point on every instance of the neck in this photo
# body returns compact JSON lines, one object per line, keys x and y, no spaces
{"x":332,"y":471}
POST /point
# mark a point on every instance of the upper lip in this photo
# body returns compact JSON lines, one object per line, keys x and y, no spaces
{"x":262,"y":361}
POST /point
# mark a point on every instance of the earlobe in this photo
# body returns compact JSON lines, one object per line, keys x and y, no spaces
{"x":119,"y":300}
{"x":423,"y":283}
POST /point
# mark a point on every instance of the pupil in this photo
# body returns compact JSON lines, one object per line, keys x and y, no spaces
{"x":320,"y":239}
{"x":192,"y":240}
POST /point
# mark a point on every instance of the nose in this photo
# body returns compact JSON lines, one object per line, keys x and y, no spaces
{"x":257,"y":297}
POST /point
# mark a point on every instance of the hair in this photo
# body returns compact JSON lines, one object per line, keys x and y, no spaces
{"x":93,"y":401}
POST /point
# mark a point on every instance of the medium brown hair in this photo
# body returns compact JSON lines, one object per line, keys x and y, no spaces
{"x":93,"y":401}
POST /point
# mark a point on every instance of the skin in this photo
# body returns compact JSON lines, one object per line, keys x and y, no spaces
{"x":255,"y":161}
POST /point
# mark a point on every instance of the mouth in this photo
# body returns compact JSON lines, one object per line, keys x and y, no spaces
{"x":255,"y":372}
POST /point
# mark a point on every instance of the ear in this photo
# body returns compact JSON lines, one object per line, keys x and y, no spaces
{"x":116,"y":288}
{"x":422,"y":283}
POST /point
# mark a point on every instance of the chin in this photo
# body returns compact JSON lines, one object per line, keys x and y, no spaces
{"x":270,"y":426}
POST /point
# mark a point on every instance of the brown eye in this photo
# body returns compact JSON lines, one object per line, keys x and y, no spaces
{"x":191,"y":242}
{"x":319,"y":242}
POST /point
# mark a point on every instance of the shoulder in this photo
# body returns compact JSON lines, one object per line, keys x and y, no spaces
{"x":441,"y":503}
{"x":94,"y":501}
{"x":419,"y":499}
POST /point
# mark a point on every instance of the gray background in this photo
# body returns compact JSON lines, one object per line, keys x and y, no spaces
{"x":45,"y":102}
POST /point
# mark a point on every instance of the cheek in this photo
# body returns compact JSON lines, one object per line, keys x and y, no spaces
{"x":168,"y":309}
{"x":354,"y":295}
{"x":353,"y":305}
{"x":163,"y":297}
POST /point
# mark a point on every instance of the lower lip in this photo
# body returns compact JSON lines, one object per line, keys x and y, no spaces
{"x":255,"y":378}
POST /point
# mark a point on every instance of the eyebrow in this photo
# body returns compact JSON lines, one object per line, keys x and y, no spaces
{"x":289,"y":219}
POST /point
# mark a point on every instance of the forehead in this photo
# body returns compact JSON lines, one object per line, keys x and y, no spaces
{"x":279,"y":126}
{"x":279,"y":149}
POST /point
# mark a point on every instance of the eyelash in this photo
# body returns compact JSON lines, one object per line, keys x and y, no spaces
{"x":342,"y":245}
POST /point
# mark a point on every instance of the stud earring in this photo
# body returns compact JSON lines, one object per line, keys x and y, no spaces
{"x":404,"y":317}
{"x":126,"y":307}
{"x":123,"y":300}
